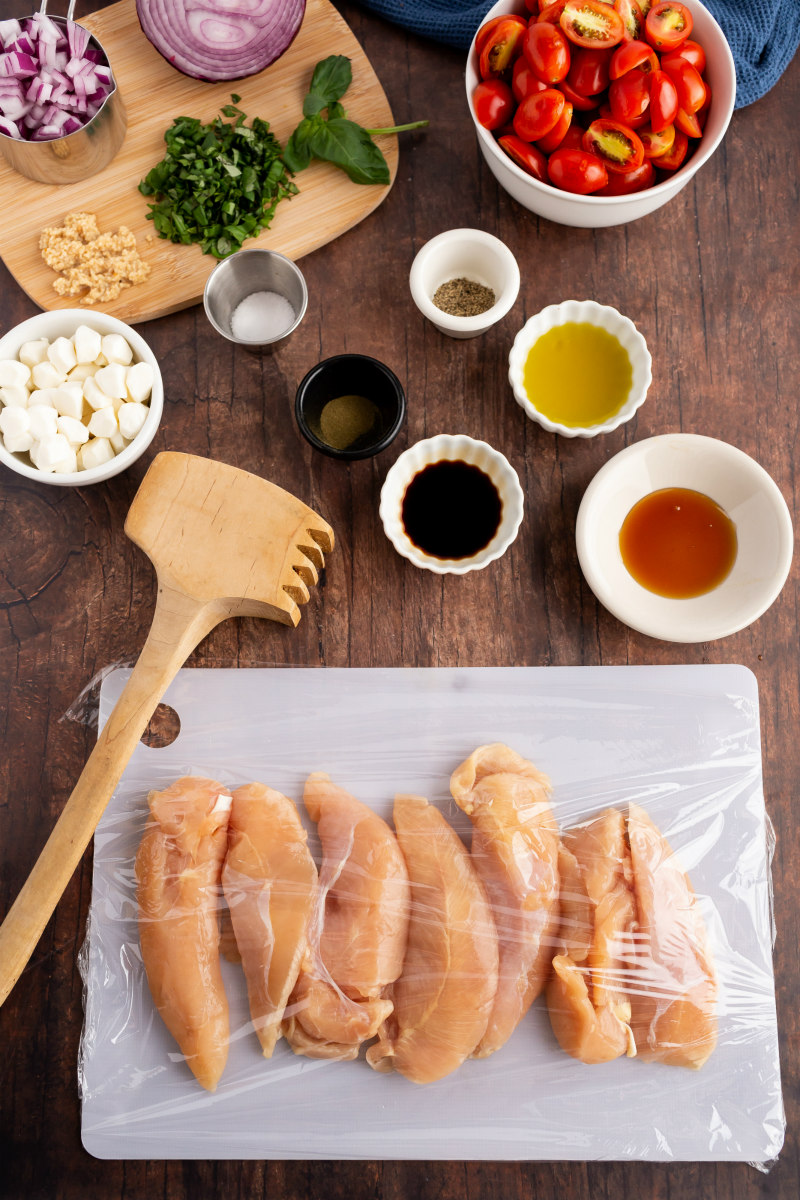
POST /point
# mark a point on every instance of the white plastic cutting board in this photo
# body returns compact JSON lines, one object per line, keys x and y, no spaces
{"x":682,"y":741}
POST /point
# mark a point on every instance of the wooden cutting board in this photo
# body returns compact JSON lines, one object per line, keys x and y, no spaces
{"x":154,"y":93}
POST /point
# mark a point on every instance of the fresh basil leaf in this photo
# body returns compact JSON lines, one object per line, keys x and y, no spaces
{"x":331,"y":79}
{"x":297,"y":154}
{"x":313,"y":104}
{"x":350,"y":147}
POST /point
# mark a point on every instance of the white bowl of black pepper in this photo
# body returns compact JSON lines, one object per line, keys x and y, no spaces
{"x":464,"y":281}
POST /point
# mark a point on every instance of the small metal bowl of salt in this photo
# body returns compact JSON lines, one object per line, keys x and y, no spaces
{"x":256,"y":299}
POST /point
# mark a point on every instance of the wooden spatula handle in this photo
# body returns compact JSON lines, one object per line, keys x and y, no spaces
{"x":179,"y":624}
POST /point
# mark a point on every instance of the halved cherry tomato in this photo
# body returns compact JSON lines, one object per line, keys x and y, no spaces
{"x":688,"y":123}
{"x":667,"y":25}
{"x":523,"y":80}
{"x":576,"y":171}
{"x":605,"y":112}
{"x":588,"y":72}
{"x":705,"y":108}
{"x":578,"y":102}
{"x":656,"y":144}
{"x":675,"y":157}
{"x":500,"y":47}
{"x":635,"y":181}
{"x":632,"y":56}
{"x":528,"y":157}
{"x":691,"y":51}
{"x":546,"y":51}
{"x":538,"y":114}
{"x":493,"y":102}
{"x":688,"y":84}
{"x":632,"y":19}
{"x":663,"y":101}
{"x":573,"y":138}
{"x":552,"y":140}
{"x":616,"y":144}
{"x":552,"y":12}
{"x":482,"y":35}
{"x":592,"y":23}
{"x":629,"y":96}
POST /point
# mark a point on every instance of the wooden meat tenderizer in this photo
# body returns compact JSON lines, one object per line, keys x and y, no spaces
{"x":224,"y":543}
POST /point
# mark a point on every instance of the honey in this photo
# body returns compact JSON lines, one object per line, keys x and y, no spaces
{"x":578,"y":375}
{"x":678,"y":543}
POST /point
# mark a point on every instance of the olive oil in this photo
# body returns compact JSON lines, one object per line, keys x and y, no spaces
{"x":578,"y":375}
{"x":451,"y":509}
{"x":678,"y":543}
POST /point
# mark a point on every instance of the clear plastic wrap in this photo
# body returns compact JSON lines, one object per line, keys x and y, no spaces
{"x":680,"y":742}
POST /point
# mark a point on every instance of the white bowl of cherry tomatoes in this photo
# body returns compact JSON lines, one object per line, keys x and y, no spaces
{"x":593,"y":114}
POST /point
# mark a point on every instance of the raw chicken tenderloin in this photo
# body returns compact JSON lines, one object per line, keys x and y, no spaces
{"x":515,"y":852}
{"x":443,"y":999}
{"x":674,"y":1008}
{"x":178,"y":869}
{"x":588,"y":996}
{"x":270,"y":884}
{"x":358,"y":933}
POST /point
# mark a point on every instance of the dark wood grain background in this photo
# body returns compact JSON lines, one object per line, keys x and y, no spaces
{"x":712,"y":282}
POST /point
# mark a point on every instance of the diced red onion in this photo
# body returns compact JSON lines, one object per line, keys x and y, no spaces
{"x":18,"y":66}
{"x":220,"y":39}
{"x":15,"y":110}
{"x":9,"y":30}
{"x":51,"y":82}
{"x":46,"y":133}
{"x":22,"y":44}
{"x":77,"y":39}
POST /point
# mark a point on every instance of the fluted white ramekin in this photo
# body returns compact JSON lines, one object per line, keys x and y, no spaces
{"x":588,"y":312}
{"x":451,"y":448}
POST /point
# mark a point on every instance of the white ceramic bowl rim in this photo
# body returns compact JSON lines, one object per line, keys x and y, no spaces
{"x":701,"y":154}
{"x":605,"y":317}
{"x":451,"y":447}
{"x":505,"y":299}
{"x":730,"y":477}
{"x":57,"y":320}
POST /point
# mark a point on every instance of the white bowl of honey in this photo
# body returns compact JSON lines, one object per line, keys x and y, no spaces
{"x":684,"y":538}
{"x":579,"y":368}
{"x":451,"y":504}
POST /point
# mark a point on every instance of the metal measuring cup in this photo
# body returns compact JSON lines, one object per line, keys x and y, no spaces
{"x":77,"y":155}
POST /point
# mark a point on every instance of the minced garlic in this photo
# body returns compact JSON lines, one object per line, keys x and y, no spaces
{"x":105,"y":263}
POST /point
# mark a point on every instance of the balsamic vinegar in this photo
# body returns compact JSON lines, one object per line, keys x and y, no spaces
{"x":451,"y":509}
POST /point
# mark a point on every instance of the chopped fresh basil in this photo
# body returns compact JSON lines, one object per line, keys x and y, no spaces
{"x":218,"y":184}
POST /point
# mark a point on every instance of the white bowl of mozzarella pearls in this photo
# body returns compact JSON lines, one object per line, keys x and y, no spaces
{"x":81,"y":397}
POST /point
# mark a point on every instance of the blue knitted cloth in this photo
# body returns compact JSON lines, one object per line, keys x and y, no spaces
{"x":763,"y":34}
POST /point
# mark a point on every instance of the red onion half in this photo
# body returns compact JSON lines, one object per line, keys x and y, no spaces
{"x":220,"y":39}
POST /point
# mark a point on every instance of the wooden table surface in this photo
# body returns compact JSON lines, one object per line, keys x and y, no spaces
{"x":712,"y":282}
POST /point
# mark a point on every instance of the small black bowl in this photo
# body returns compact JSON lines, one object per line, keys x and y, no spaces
{"x":347,"y":375}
